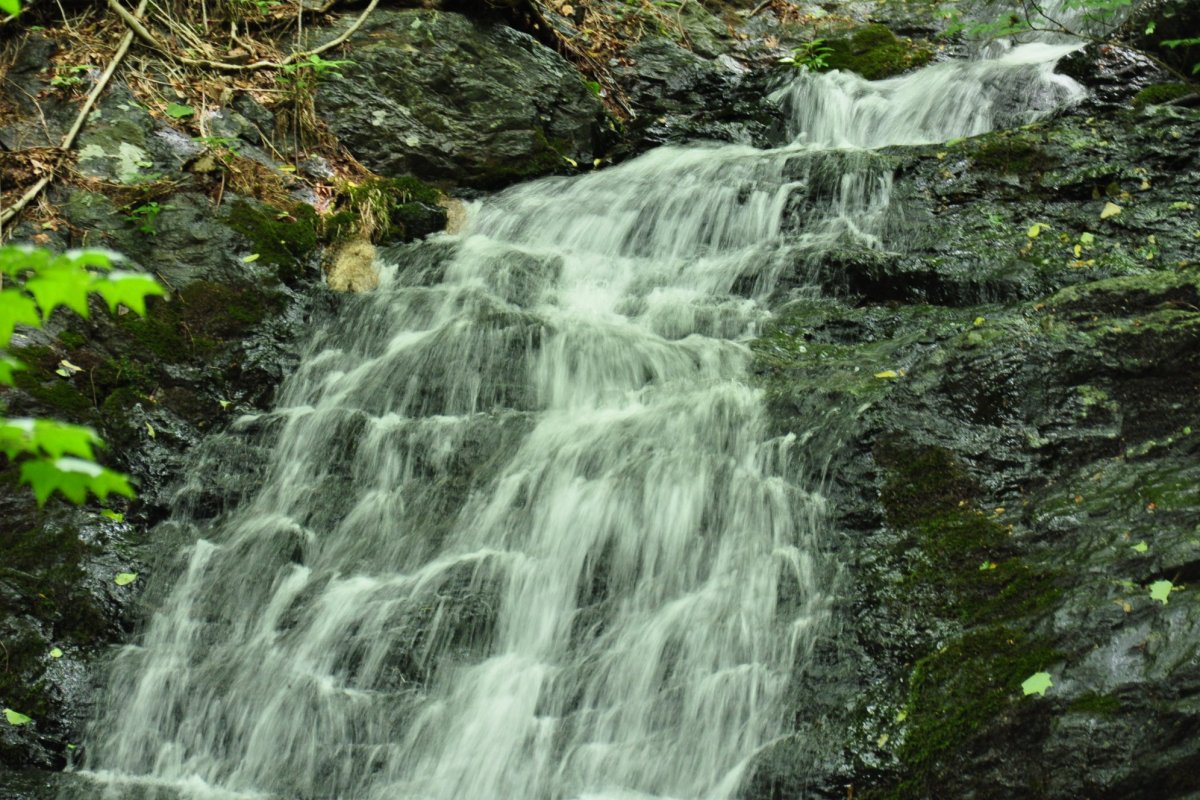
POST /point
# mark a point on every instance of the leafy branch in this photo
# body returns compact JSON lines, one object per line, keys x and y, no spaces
{"x":57,"y":456}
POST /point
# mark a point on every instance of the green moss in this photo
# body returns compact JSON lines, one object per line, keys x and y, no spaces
{"x":1159,"y":93}
{"x":389,"y":209}
{"x":72,"y":339}
{"x":1012,"y":154}
{"x":1095,"y":704}
{"x":923,"y":482}
{"x":874,"y":52}
{"x":966,"y":572}
{"x":158,"y":333}
{"x":196,"y":321}
{"x":39,"y":381}
{"x":44,"y":578}
{"x":956,"y":691}
{"x":285,"y":240}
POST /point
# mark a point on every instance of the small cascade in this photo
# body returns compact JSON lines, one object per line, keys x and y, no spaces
{"x":523,"y":534}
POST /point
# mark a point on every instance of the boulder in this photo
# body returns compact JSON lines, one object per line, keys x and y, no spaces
{"x":460,"y":102}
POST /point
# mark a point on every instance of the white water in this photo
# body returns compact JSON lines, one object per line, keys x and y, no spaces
{"x":525,"y":534}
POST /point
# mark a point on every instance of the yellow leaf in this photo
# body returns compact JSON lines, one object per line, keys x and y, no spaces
{"x":979,"y":321}
{"x":887,"y":374}
{"x":1110,"y":210}
{"x":1035,"y":230}
{"x":1078,"y":250}
{"x":150,"y":430}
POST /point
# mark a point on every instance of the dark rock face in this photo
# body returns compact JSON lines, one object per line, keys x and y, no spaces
{"x":461,"y":102}
{"x":1113,"y":74}
{"x":1009,"y":499}
{"x":680,"y":96}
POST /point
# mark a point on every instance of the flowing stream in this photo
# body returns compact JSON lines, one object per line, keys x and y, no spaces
{"x":523,"y":533}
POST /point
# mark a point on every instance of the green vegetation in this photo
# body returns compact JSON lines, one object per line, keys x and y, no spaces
{"x":386,"y":210}
{"x":283,"y":239}
{"x":1159,"y":93}
{"x":812,"y":55}
{"x":875,"y":53}
{"x":55,"y":456}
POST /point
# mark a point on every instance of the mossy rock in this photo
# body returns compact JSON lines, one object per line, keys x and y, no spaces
{"x":199,"y":319}
{"x":955,"y":692}
{"x":286,"y":240}
{"x":1159,"y":93}
{"x":388,"y":210}
{"x":50,"y":390}
{"x":1011,"y":153}
{"x":875,"y":53}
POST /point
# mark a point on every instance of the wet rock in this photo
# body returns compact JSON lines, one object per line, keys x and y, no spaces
{"x":680,"y":96}
{"x":1114,"y":74}
{"x":1016,"y":469}
{"x":458,"y":101}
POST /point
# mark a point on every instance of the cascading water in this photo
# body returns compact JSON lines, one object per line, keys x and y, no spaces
{"x":523,"y":535}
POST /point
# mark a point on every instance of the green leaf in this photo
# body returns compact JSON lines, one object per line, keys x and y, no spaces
{"x":250,"y":259}
{"x":115,"y":516}
{"x":15,"y":718}
{"x":16,"y":309}
{"x":8,"y":366}
{"x":12,"y":7}
{"x":46,"y":437}
{"x":56,"y":653}
{"x":1037,"y":683}
{"x":1140,"y":547}
{"x":61,"y":285}
{"x":57,"y":439}
{"x":179,"y":111}
{"x":1086,"y":238}
{"x":125,"y":578}
{"x":126,"y":288}
{"x":73,"y":478}
{"x":1161,"y":590}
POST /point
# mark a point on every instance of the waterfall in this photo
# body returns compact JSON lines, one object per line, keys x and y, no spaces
{"x":523,"y":534}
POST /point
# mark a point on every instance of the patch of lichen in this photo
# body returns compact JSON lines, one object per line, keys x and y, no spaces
{"x":875,"y":52}
{"x":286,"y":240}
{"x":1159,"y":93}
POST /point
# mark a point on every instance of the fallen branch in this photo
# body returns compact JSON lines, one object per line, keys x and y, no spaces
{"x":69,"y":140}
{"x":135,"y":26}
